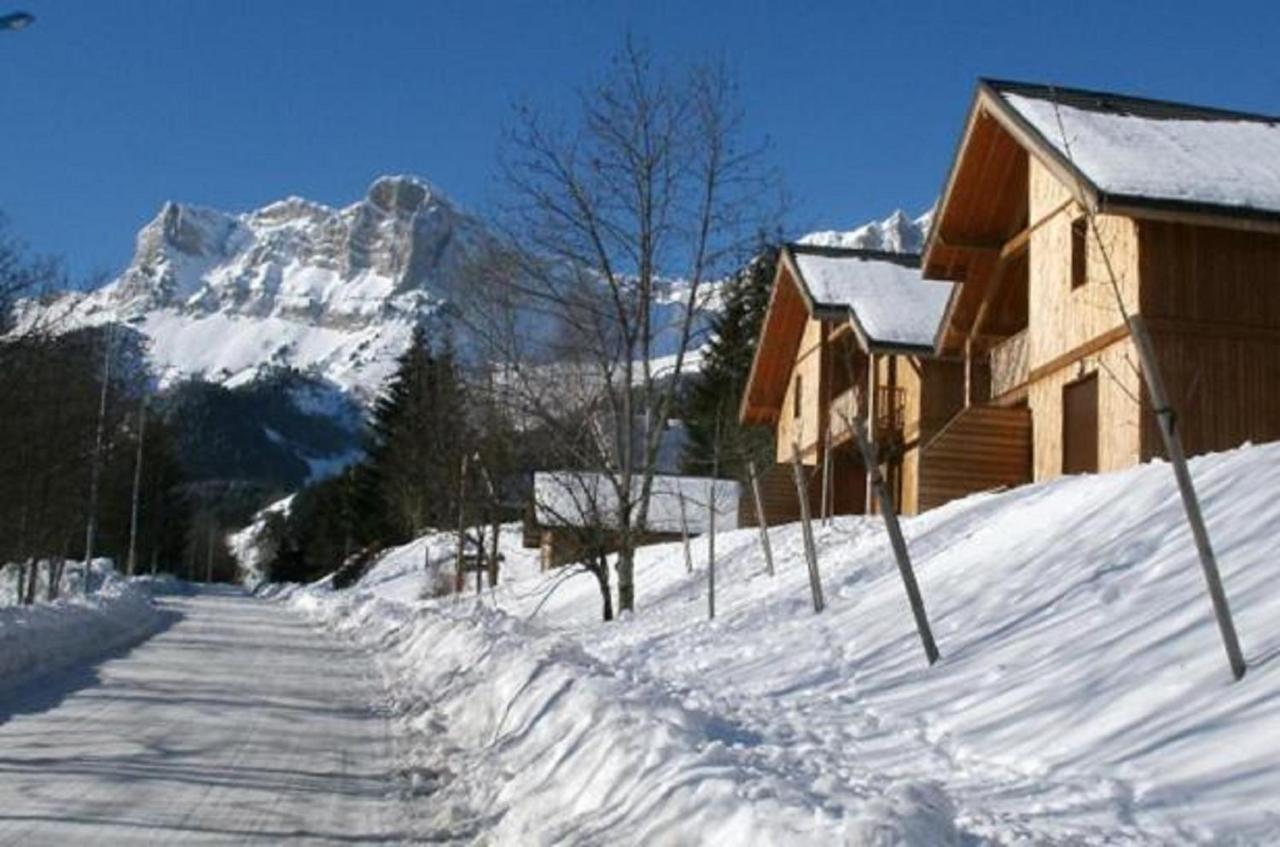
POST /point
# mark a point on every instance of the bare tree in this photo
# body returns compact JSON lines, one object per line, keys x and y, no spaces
{"x":618,"y":227}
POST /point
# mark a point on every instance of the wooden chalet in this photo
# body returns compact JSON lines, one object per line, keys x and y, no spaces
{"x":1187,"y":204}
{"x":575,"y":511}
{"x":849,"y":332}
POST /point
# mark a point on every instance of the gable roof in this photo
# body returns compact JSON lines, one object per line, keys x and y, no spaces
{"x":1115,"y":154}
{"x":882,"y":295}
{"x":1135,"y":154}
{"x":892,"y":307}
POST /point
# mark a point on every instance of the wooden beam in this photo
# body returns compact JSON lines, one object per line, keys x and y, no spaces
{"x":1079,"y":352}
{"x":1022,"y":240}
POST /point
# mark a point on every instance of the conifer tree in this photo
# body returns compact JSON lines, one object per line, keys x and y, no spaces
{"x":712,"y":399}
{"x":420,"y":431}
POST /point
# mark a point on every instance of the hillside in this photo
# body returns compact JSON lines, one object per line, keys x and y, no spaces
{"x":1082,"y":698}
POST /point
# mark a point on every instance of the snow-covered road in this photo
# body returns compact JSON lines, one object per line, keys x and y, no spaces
{"x":238,"y":724}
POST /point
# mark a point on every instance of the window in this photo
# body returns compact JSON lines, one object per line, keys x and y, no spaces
{"x":1079,"y":252}
{"x":796,"y":400}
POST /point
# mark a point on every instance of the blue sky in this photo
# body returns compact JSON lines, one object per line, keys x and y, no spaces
{"x":107,"y":109}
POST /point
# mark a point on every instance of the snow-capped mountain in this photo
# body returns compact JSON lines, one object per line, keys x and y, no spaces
{"x":299,"y":310}
{"x":895,"y":234}
{"x":332,"y":293}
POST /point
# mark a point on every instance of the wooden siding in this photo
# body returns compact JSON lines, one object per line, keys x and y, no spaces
{"x":1119,"y":418}
{"x":807,"y":427}
{"x":1062,"y":318}
{"x":939,"y":384}
{"x":1225,"y":390}
{"x":983,"y":447}
{"x":1211,"y":297}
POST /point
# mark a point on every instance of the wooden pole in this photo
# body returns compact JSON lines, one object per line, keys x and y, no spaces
{"x":711,"y":549}
{"x":1172,"y":438}
{"x":132,"y":560}
{"x":826,"y":478}
{"x":684,"y":532}
{"x":494,"y":524}
{"x":1190,"y":502}
{"x":711,"y":518}
{"x":459,"y":576}
{"x":810,"y":548}
{"x":896,"y":539}
{"x":760,"y":519}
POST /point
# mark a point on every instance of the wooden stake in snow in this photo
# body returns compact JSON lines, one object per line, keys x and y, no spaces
{"x":711,"y":520}
{"x":1169,"y":432}
{"x":711,"y":549}
{"x":459,"y":576}
{"x":896,"y":540}
{"x":494,"y":523}
{"x":810,"y":548}
{"x":760,"y":520}
{"x":684,"y":532}
{"x":826,"y":481}
{"x":1190,"y":502}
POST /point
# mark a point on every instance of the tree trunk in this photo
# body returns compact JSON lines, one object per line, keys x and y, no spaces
{"x":33,"y":569}
{"x":601,"y":571}
{"x":131,"y":563}
{"x":626,"y":575}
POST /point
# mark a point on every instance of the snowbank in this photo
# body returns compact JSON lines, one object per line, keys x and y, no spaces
{"x":1082,"y":697}
{"x":38,"y":639}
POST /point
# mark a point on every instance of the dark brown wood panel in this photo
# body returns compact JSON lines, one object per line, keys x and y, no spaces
{"x":1080,"y":426}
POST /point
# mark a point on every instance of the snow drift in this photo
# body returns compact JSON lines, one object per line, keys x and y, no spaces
{"x":41,"y":638}
{"x":1083,"y":696}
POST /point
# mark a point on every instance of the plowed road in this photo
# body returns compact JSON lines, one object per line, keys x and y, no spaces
{"x":237,"y":724}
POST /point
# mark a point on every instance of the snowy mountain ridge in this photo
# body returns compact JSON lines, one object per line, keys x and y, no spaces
{"x":333,"y":293}
{"x":895,"y":234}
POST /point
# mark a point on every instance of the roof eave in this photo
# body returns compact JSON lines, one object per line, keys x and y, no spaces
{"x":1184,"y":211}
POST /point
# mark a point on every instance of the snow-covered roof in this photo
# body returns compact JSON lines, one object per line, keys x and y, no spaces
{"x":580,"y":498}
{"x":1135,"y":148}
{"x":884,"y":292}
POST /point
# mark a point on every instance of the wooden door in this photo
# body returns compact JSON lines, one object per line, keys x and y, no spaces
{"x":1080,"y":426}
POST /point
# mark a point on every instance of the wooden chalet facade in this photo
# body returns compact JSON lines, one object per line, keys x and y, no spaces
{"x":849,"y":332}
{"x":1187,"y":207}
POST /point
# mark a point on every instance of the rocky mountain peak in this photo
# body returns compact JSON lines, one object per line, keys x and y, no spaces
{"x":897,"y":233}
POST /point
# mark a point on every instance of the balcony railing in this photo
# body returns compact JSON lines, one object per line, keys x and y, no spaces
{"x":890,"y":413}
{"x":1009,"y":364}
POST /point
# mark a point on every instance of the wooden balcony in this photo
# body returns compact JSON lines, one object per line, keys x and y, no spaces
{"x":1009,"y":364}
{"x":890,"y":414}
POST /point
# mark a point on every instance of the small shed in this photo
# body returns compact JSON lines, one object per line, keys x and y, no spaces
{"x":574,"y":509}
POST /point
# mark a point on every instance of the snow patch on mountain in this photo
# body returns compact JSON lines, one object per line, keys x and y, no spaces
{"x":895,"y":234}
